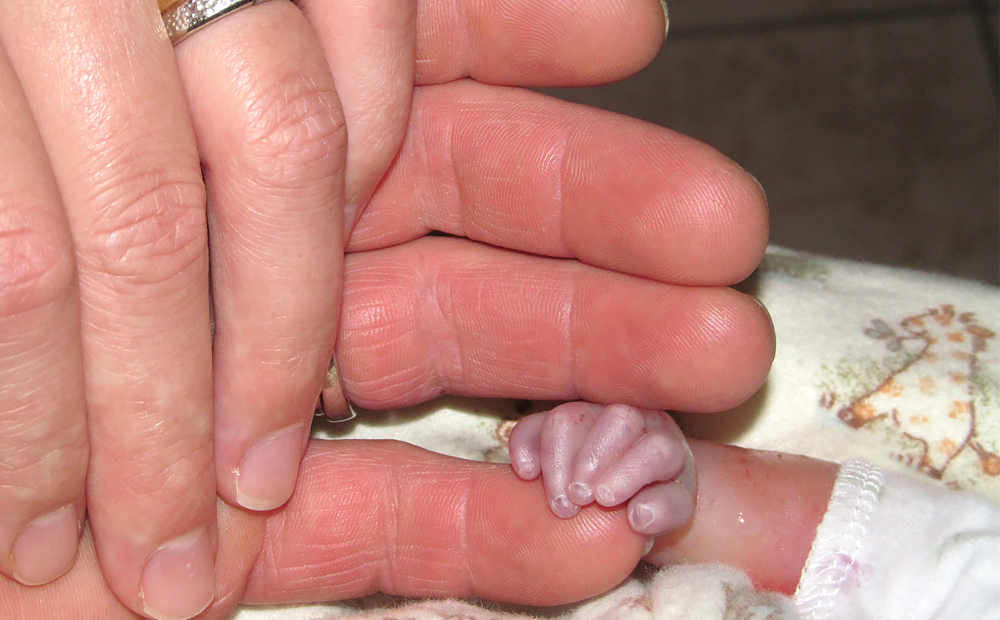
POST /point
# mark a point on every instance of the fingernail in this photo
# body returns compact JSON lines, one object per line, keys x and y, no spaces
{"x":649,"y":547}
{"x":179,"y":579}
{"x":266,"y":475}
{"x":46,"y":548}
{"x":580,"y":493}
{"x":641,"y":517}
{"x":564,"y":508}
{"x":605,"y":496}
{"x":525,"y":466}
{"x":688,"y":477}
{"x":666,"y":18}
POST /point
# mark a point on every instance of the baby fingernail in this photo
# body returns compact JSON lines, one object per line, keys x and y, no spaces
{"x":580,"y":493}
{"x":641,"y":517}
{"x":179,"y":579}
{"x":605,"y":496}
{"x":46,"y":548}
{"x":563,"y":507}
{"x":266,"y":475}
{"x":649,"y":547}
{"x":525,"y":466}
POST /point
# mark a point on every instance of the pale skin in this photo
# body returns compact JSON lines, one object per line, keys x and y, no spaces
{"x":609,"y":455}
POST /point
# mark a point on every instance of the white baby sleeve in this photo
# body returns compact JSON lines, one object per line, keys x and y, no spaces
{"x":892,"y":547}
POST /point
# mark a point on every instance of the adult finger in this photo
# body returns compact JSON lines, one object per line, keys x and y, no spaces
{"x":385,"y":517}
{"x":450,"y":315}
{"x":43,"y":431}
{"x":520,"y":170}
{"x":272,"y":140}
{"x":526,"y":43}
{"x":129,"y":175}
{"x":370,"y":46}
{"x":389,"y":517}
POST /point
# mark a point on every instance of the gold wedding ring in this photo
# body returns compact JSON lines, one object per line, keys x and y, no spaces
{"x":182,"y":17}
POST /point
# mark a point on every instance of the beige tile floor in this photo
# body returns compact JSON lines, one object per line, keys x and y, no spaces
{"x":872,"y":124}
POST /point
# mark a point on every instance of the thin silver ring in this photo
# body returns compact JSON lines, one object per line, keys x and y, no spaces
{"x":333,"y":402}
{"x":186,"y":16}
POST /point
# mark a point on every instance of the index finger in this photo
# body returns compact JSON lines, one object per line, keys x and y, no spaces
{"x":383,"y":516}
{"x":401,"y":520}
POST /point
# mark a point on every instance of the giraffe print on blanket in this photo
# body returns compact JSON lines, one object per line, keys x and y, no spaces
{"x":931,"y":398}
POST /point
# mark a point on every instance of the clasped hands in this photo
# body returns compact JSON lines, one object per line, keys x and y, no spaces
{"x":586,"y":256}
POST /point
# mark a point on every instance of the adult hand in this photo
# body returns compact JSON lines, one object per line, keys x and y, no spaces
{"x":104,"y":308}
{"x":436,"y":314}
{"x":128,"y":179}
{"x":381,"y":516}
{"x":106,"y":354}
{"x":387,"y":517}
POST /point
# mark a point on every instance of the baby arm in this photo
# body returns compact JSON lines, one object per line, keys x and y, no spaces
{"x":754,"y":510}
{"x":851,"y":542}
{"x":762,"y":512}
{"x":587,"y":453}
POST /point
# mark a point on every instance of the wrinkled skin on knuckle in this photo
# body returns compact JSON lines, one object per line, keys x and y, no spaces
{"x":146,"y":228}
{"x":293,"y":131}
{"x":36,"y":258}
{"x":384,"y":319}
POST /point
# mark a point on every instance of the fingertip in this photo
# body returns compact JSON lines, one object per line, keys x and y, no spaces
{"x":570,"y":559}
{"x":576,"y":43}
{"x":563,"y":508}
{"x":752,"y":348}
{"x":524,"y":464}
{"x":524,"y":446}
{"x":178,"y":581}
{"x":580,"y":493}
{"x":735,"y":342}
{"x":265,"y":478}
{"x":661,"y":509}
{"x":47,"y":547}
{"x":606,"y":496}
{"x":735,"y":221}
{"x":726,"y":231}
{"x":640,"y":516}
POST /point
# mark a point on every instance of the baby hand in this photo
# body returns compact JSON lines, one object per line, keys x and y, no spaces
{"x":609,"y":454}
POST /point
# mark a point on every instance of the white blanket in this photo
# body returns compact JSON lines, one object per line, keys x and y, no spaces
{"x":855,"y":342}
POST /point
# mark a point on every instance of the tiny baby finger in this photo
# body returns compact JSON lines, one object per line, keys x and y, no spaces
{"x":661,"y":508}
{"x":656,"y":457}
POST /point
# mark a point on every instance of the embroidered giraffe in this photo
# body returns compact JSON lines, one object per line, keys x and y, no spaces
{"x":931,"y":399}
